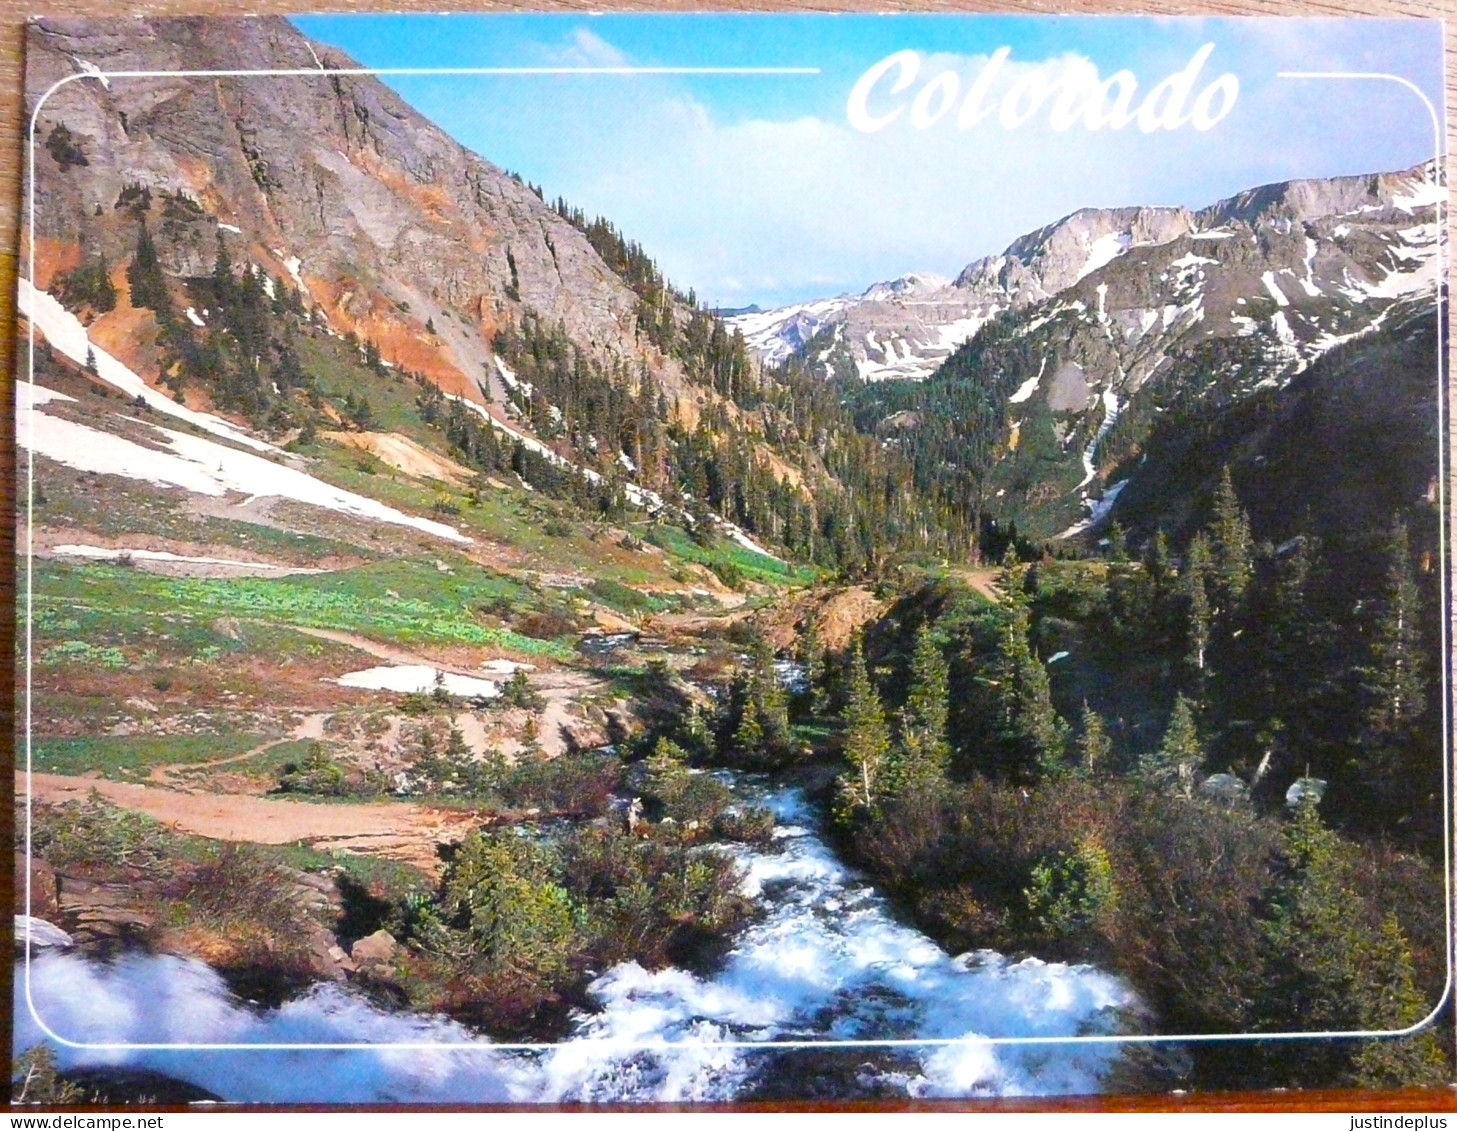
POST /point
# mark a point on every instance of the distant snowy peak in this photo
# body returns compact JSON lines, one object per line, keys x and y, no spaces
{"x":1336,"y":251}
{"x":775,"y":334}
{"x":1051,"y":259}
{"x":916,"y":284}
{"x":903,"y":328}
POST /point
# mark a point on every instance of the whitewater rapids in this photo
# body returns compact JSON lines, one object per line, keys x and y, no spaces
{"x":826,"y":962}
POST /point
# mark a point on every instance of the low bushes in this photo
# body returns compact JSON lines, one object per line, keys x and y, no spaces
{"x":519,"y":924}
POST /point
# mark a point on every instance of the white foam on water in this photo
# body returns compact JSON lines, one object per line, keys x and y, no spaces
{"x":827,"y":960}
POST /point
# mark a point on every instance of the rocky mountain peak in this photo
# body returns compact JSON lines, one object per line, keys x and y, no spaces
{"x":1059,"y":254}
{"x":332,"y":183}
{"x":1352,"y":241}
{"x":1302,"y":201}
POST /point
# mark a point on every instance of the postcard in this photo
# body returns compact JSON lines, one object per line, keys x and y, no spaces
{"x":598,"y":558}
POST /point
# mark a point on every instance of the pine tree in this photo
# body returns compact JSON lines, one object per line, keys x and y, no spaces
{"x":1393,"y":677}
{"x":667,"y":771}
{"x":924,"y":750}
{"x":1232,"y":557}
{"x":1026,"y":719}
{"x":1173,"y":765}
{"x":90,"y":360}
{"x":1388,"y":1000}
{"x":1117,"y":543}
{"x":812,"y":656}
{"x":1331,"y":967}
{"x":749,"y":734}
{"x":222,"y":280}
{"x":145,"y":280}
{"x":1195,"y":579}
{"x":1157,"y":563}
{"x":771,"y":698}
{"x":1013,"y":582}
{"x":1095,"y":748}
{"x":867,"y":738}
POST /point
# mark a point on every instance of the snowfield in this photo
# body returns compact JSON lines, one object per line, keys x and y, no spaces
{"x":420,"y":679}
{"x":194,"y":464}
{"x":67,"y":336}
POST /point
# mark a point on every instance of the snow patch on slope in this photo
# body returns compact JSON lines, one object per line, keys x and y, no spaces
{"x":67,"y":336}
{"x":1268,"y":278}
{"x":1104,"y":250}
{"x":197,"y":465}
{"x":1028,"y":387}
{"x":418,"y":679}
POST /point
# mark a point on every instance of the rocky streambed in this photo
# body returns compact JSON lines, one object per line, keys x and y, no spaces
{"x":827,"y":993}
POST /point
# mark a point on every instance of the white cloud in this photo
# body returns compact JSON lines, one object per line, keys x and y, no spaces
{"x":750,"y":189}
{"x":591,"y":50}
{"x":758,"y":210}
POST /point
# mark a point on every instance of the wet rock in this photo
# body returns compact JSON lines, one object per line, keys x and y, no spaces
{"x":41,"y":934}
{"x":327,"y":958}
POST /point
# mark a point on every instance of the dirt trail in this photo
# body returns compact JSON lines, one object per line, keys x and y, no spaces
{"x":559,"y":689}
{"x":311,"y":727}
{"x":398,"y":830}
{"x":386,"y":652}
{"x":984,"y":581}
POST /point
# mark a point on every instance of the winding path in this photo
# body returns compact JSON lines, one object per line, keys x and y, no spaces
{"x":399,"y":830}
{"x":311,"y":727}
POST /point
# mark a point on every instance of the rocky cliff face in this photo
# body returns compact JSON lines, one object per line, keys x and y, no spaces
{"x":1309,"y":262}
{"x":330,"y":182}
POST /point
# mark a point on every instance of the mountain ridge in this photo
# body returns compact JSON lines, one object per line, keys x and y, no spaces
{"x":1048,"y":261}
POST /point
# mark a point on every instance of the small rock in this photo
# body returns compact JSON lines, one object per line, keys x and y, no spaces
{"x":42,"y":934}
{"x":378,"y":947}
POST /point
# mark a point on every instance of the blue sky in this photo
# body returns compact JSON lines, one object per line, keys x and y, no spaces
{"x":756,"y":188}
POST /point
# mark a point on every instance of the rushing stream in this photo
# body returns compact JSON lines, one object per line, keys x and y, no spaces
{"x":827,"y":962}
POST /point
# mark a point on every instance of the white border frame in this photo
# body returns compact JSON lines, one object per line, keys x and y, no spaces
{"x":611,"y":1045}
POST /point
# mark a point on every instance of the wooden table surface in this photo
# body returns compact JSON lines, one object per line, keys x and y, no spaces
{"x":14,"y":13}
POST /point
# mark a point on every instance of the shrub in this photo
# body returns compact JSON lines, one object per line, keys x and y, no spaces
{"x":503,"y":939}
{"x":518,"y":692}
{"x":547,"y":625}
{"x":754,"y":825}
{"x":64,"y":149}
{"x":576,"y":784}
{"x":1070,"y":892}
{"x":96,"y":834}
{"x":87,"y":284}
{"x":317,"y":774}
